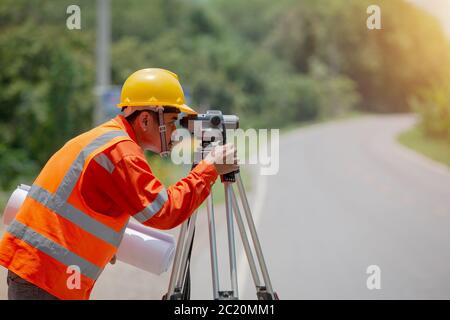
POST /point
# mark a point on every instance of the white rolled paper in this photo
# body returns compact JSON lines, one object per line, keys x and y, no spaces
{"x":151,"y":232}
{"x":143,"y":247}
{"x":146,"y":251}
{"x":15,"y":201}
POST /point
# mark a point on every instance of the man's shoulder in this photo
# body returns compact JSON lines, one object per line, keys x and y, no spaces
{"x":123,"y":150}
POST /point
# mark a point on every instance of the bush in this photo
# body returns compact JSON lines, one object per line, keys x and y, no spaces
{"x":433,"y":106}
{"x":15,"y":168}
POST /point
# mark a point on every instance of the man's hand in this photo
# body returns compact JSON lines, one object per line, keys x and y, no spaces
{"x":224,"y":158}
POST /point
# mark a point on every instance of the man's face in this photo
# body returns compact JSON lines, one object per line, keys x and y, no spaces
{"x":169,"y":120}
{"x":148,"y":125}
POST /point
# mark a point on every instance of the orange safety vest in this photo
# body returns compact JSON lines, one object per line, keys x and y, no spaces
{"x":55,"y":232}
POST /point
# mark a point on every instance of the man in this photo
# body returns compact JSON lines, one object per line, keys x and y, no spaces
{"x":78,"y":208}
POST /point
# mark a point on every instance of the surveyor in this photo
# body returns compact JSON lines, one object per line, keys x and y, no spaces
{"x":77,"y":209}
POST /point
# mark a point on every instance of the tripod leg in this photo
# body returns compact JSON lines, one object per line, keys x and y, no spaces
{"x":245,"y":242}
{"x":251,"y":225}
{"x":180,"y":265}
{"x":213,"y":248}
{"x":231,"y":244}
{"x":186,"y":251}
{"x":177,"y":259}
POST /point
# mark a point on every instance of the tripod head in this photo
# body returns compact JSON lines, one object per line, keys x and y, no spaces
{"x":211,"y":130}
{"x":211,"y":120}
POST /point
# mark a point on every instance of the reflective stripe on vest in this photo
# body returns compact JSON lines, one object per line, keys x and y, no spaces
{"x":76,"y":216}
{"x":58,"y":202}
{"x":53,"y":249}
{"x":104,"y":161}
{"x":153,"y":207}
{"x":71,"y":177}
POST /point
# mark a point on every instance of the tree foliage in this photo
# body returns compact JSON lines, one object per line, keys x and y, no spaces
{"x":433,"y":106}
{"x":271,"y":62}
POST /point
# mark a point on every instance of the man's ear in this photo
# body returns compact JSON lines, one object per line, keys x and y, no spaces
{"x":144,"y":121}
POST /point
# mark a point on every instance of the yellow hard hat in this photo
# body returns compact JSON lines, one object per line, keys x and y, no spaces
{"x":153,"y":87}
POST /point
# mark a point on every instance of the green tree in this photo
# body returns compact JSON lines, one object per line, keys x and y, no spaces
{"x":45,"y":86}
{"x":433,"y":106}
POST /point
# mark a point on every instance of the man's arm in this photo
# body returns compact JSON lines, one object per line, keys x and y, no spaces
{"x":151,"y":203}
{"x":120,"y":180}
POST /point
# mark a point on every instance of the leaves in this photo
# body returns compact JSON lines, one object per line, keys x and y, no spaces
{"x":270,"y":62}
{"x":433,"y":106}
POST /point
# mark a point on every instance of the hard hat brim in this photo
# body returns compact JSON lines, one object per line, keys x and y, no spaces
{"x":186,"y":109}
{"x":182,"y":107}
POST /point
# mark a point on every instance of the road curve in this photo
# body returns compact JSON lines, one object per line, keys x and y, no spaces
{"x":348,"y":196}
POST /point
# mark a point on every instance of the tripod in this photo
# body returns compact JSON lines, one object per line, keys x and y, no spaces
{"x":179,"y":284}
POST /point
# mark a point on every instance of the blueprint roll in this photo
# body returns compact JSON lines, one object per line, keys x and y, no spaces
{"x":151,"y":232}
{"x":143,"y":247}
{"x":14,"y":203}
{"x":146,"y":250}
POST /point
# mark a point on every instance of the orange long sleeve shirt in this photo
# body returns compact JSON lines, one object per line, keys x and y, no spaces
{"x":124,"y":182}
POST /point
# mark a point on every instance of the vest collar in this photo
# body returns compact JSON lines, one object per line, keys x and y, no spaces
{"x":120,"y":119}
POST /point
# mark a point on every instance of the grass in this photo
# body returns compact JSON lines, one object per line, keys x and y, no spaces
{"x":438,"y":150}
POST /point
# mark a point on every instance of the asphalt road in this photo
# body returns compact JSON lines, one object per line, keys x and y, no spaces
{"x":347,"y":196}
